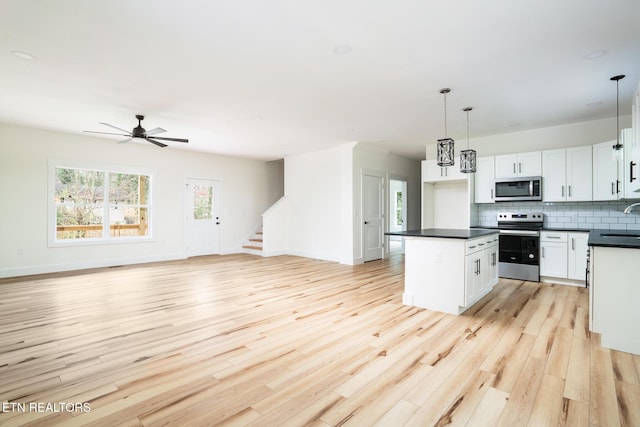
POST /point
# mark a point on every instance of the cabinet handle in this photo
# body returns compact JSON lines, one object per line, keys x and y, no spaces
{"x":479,"y":268}
{"x":631,"y":177}
{"x":440,"y":172}
{"x":553,"y":237}
{"x":613,"y":188}
{"x":492,"y":194}
{"x":472,"y":247}
{"x":480,"y":244}
{"x":563,"y":191}
{"x":542,"y":252}
{"x":617,"y":185}
{"x":569,"y":191}
{"x":519,"y":167}
{"x":573,"y":244}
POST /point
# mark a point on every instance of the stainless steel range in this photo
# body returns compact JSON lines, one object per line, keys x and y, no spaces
{"x":519,"y":250}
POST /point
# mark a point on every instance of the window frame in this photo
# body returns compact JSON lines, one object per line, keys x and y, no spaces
{"x":107,"y":169}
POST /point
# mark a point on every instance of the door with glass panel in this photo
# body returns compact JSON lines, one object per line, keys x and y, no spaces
{"x":203,"y":201}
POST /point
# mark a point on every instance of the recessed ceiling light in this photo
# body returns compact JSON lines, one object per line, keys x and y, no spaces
{"x":342,"y":49}
{"x":595,"y":54}
{"x":23,"y":55}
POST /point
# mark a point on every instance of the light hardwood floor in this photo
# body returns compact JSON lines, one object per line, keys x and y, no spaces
{"x":288,"y":341}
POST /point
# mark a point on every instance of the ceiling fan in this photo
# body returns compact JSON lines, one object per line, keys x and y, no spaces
{"x":140,"y":132}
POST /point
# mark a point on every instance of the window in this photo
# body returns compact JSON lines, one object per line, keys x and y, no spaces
{"x":99,"y":205}
{"x":399,"y":207}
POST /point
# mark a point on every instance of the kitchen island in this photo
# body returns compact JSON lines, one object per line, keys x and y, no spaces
{"x":614,"y":279}
{"x":447,"y":269}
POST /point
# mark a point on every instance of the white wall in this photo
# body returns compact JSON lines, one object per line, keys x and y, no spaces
{"x":249,"y":187}
{"x":571,"y":135}
{"x":317,"y":190}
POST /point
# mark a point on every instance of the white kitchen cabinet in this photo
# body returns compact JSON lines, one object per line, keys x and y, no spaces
{"x":553,"y":254}
{"x":630,"y":169}
{"x":606,"y":172}
{"x":577,"y":246}
{"x":520,"y":164}
{"x":449,"y":274}
{"x":431,"y":172}
{"x":563,"y":255}
{"x":485,"y":180}
{"x":566,"y":174}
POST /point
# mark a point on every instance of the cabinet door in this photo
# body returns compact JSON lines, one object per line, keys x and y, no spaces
{"x":553,"y":261}
{"x":473,"y":283}
{"x":630,"y":170}
{"x":485,"y":180}
{"x":506,"y":166}
{"x":554,"y":175}
{"x":453,"y":173}
{"x":530,"y":164}
{"x":579,"y":174}
{"x":577,"y":263}
{"x":605,"y":172}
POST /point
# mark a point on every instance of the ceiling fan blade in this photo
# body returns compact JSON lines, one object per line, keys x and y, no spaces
{"x":159,"y":144}
{"x":115,"y":127}
{"x":155,"y":131}
{"x":108,"y":133}
{"x":172,"y":139}
{"x":125,"y":141}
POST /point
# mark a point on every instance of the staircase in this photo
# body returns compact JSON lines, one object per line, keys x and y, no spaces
{"x":254,"y":244}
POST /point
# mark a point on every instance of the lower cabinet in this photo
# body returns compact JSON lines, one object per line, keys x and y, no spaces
{"x":563,"y":255}
{"x":481,"y":272}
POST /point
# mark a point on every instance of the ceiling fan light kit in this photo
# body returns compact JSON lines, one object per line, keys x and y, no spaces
{"x":141,"y":133}
{"x":445,"y":155}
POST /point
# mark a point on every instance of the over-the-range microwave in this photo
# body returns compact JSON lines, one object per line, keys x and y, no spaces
{"x":518,"y":189}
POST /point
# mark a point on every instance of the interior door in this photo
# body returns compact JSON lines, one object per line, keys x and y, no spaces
{"x":373,"y":216}
{"x":202,"y":220}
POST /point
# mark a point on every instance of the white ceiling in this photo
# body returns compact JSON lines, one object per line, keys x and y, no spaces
{"x":267,"y":78}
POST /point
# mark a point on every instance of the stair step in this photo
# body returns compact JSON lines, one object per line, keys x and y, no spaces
{"x":257,"y":248}
{"x":255,"y":240}
{"x":258,"y":232}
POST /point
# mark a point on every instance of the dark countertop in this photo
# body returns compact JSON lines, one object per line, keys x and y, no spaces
{"x":616,"y":238}
{"x":446,"y":233}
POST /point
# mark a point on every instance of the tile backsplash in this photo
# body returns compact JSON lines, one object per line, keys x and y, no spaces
{"x":570,"y":215}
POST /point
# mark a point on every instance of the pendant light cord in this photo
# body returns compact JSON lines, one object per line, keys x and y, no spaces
{"x":445,"y":114}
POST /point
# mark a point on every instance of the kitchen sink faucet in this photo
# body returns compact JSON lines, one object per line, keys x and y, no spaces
{"x":629,"y":208}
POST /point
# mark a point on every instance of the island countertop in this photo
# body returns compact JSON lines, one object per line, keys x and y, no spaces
{"x":615,"y":238}
{"x":445,"y":233}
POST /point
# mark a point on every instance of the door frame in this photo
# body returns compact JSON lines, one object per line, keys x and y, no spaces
{"x":405,"y":179}
{"x":185,"y":202}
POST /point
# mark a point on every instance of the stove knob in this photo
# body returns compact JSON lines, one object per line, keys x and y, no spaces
{"x":531,"y":256}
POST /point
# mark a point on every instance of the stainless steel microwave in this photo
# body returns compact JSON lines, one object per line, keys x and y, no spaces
{"x":518,"y":189}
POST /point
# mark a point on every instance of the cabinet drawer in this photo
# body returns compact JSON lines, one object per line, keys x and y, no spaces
{"x":552,"y":236}
{"x":475,"y":245}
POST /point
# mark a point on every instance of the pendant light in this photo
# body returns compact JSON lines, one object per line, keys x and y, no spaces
{"x":617,"y":148}
{"x":445,"y":145}
{"x":468,"y":156}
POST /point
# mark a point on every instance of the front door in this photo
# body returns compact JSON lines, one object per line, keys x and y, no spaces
{"x":202,"y":221}
{"x":373,"y":216}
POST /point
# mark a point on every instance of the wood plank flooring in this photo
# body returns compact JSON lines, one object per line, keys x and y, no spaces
{"x":288,"y":341}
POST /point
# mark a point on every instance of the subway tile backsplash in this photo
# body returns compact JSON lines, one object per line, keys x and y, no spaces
{"x":570,"y":215}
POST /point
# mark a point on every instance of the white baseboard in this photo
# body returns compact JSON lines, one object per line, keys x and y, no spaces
{"x":83,"y":265}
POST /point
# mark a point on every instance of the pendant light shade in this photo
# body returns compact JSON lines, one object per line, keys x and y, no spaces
{"x":468,"y":156}
{"x":445,"y":155}
{"x":617,"y":148}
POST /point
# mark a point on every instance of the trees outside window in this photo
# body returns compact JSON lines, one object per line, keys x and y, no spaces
{"x":99,"y":204}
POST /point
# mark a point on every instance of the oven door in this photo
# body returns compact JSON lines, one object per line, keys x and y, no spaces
{"x":519,"y":247}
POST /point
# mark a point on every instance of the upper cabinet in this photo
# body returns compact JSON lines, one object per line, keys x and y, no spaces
{"x":606,"y":172}
{"x":566,"y":174}
{"x":485,"y":180}
{"x":520,"y":164}
{"x":431,"y":172}
{"x":631,"y":141}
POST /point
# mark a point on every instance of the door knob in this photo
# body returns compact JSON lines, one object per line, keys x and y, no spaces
{"x":366,"y":222}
